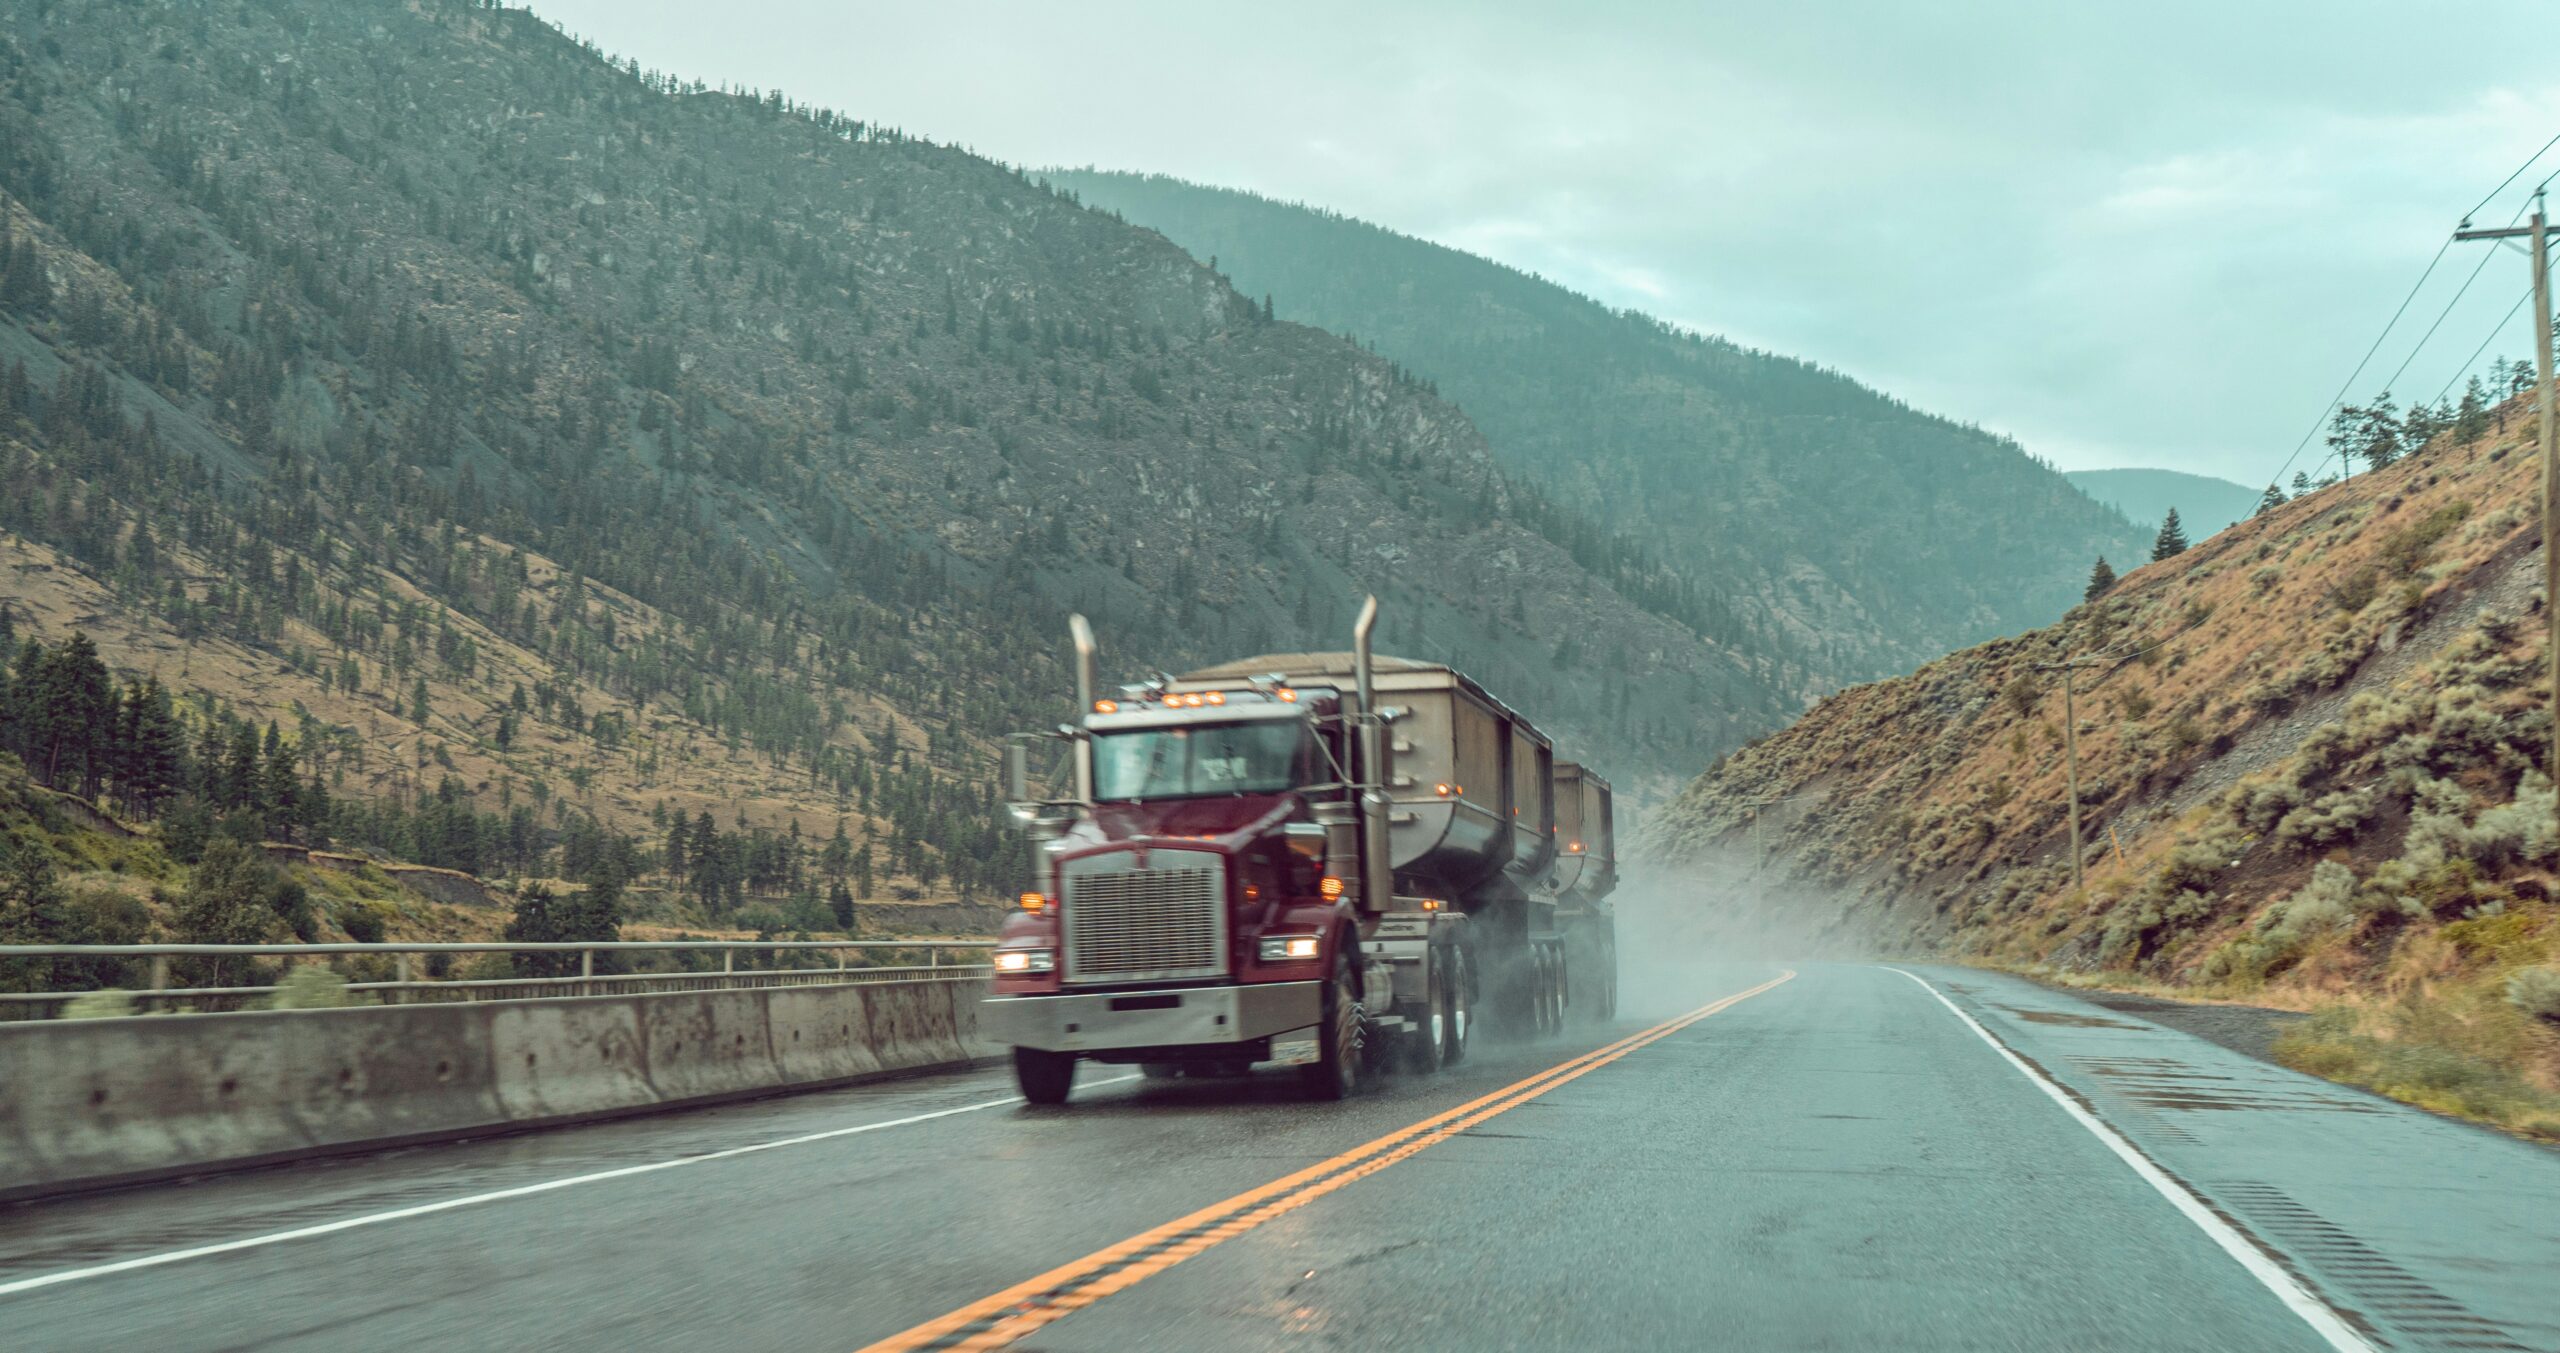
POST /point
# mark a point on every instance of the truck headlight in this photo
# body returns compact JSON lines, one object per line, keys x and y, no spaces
{"x":1026,"y":960}
{"x":1284,"y":948}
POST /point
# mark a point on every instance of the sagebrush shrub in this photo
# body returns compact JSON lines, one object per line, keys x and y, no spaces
{"x":2536,"y":991}
{"x":2332,"y":820}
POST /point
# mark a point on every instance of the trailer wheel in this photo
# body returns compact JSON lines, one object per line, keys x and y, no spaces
{"x":1045,"y":1077}
{"x":1343,"y":1036}
{"x":1460,"y":998}
{"x":1425,"y":1046}
{"x":1159,"y":1071}
{"x":1550,"y":993}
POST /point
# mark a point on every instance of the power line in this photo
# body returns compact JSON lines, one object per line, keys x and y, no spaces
{"x":2447,"y":313}
{"x":2350,"y":382}
{"x":2484,"y":346}
{"x":2502,"y":186}
{"x":2403,"y":308}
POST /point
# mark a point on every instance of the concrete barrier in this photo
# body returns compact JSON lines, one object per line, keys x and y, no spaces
{"x":86,"y":1103}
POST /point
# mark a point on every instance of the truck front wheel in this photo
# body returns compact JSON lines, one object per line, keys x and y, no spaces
{"x":1045,"y":1077}
{"x":1342,"y":1037}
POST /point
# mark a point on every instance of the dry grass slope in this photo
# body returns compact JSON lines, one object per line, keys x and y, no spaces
{"x":2310,"y":777}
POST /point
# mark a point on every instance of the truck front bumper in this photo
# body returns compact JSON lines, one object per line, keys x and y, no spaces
{"x":1186,"y":1016}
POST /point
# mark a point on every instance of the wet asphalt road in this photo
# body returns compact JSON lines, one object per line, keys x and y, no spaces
{"x":1840,"y":1162}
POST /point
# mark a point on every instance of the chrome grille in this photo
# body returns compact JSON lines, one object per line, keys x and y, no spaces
{"x":1138,"y":924}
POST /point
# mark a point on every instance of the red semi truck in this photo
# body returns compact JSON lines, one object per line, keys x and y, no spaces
{"x":1331,"y":860}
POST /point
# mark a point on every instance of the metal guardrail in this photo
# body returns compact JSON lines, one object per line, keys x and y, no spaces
{"x":407,"y":987}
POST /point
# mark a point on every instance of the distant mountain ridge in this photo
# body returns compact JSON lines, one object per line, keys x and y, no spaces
{"x":1838,"y":529}
{"x":512,"y":425}
{"x":2205,"y":504}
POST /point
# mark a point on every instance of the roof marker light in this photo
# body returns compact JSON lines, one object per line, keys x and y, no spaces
{"x":1106,"y":706}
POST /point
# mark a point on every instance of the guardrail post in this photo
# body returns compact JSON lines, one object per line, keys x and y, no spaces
{"x":159,"y":979}
{"x":728,"y":960}
{"x":586,"y":972}
{"x":933,"y":957}
{"x":400,"y":973}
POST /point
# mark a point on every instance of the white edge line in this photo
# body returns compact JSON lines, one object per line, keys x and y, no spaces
{"x":10,"y":1289}
{"x":2287,"y":1289}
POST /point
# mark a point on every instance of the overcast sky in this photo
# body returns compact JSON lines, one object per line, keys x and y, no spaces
{"x":2128,"y":235}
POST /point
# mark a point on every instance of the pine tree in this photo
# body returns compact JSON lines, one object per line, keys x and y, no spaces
{"x":2101,"y":577}
{"x":2269,"y":501}
{"x":2378,"y":433}
{"x":840,"y":902}
{"x":2471,"y":417}
{"x":2172,"y":539}
{"x":279,"y":790}
{"x":237,"y":787}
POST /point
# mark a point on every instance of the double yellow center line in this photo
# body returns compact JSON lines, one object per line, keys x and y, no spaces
{"x":1018,"y":1310}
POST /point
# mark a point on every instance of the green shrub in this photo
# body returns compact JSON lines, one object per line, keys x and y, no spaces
{"x":2330,"y":821}
{"x":313,"y":986}
{"x":2536,"y":991}
{"x":2521,"y":830}
{"x":2407,"y":549}
{"x":2356,"y":591}
{"x":108,"y":1004}
{"x":2258,"y":808}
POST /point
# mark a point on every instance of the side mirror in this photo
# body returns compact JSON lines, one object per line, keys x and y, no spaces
{"x":1017,"y":773}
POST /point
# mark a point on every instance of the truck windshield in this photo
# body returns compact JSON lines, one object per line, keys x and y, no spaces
{"x":1198,"y":760}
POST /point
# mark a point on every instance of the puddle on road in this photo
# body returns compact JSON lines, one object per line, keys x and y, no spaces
{"x":2156,"y":1083}
{"x":2066,"y":1018}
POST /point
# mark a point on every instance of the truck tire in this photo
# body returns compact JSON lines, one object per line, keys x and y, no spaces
{"x":1159,"y":1071}
{"x":1045,"y":1077}
{"x":1342,"y":1036}
{"x":1423,"y":1048}
{"x":1460,"y":997}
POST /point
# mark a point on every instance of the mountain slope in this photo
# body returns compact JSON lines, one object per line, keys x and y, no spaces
{"x":2205,"y":504}
{"x":1842,"y":529}
{"x":695,"y":450}
{"x":2309,"y":757}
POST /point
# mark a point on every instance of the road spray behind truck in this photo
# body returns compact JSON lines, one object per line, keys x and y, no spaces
{"x":1332,"y":860}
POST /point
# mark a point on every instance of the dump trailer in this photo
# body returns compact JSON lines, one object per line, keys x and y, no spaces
{"x":1336,"y":861}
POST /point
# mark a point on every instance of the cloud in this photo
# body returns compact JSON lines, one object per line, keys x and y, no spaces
{"x":2127,"y":235}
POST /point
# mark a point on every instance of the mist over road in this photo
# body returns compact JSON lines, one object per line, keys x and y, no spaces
{"x":1859,"y":1156}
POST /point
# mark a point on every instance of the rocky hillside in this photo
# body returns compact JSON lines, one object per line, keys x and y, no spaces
{"x":1839,"y":531}
{"x":508,"y":423}
{"x":2311,"y":751}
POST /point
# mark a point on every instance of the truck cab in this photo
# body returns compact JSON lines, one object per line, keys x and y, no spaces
{"x":1318,"y":859}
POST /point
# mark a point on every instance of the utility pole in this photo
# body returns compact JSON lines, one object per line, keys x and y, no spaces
{"x":2071,"y":747}
{"x":2537,"y":232}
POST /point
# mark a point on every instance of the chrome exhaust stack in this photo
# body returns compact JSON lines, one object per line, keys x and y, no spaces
{"x":1377,"y":871}
{"x":1080,"y":632}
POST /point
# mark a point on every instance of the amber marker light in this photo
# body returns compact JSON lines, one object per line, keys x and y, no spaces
{"x":1106,"y":706}
{"x":1034,"y":902}
{"x":1331,"y":887}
